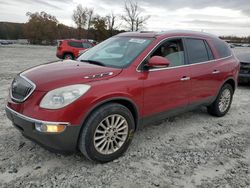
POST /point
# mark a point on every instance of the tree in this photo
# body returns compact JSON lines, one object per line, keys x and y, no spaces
{"x":41,"y":28}
{"x":100,"y":26}
{"x":111,"y":18}
{"x":10,"y":30}
{"x":90,"y":13}
{"x":80,"y":18}
{"x":66,"y":32}
{"x":133,"y":16}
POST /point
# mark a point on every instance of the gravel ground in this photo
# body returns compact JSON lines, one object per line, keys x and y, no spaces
{"x":189,"y":150}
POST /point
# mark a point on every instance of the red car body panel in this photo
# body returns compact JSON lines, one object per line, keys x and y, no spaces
{"x":150,"y":92}
{"x":163,"y":90}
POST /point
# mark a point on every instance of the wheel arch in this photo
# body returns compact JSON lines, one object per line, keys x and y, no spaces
{"x":231,"y":82}
{"x":128,"y":103}
{"x":68,"y":52}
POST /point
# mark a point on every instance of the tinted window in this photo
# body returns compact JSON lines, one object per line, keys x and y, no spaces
{"x":209,"y":51}
{"x":222,"y":48}
{"x":171,"y":50}
{"x":86,"y":45}
{"x":197,"y":51}
{"x":75,"y":44}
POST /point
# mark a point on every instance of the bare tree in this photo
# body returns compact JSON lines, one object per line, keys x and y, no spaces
{"x":111,"y":18}
{"x":133,"y":16}
{"x":89,"y":13}
{"x":80,"y":18}
{"x":140,"y":21}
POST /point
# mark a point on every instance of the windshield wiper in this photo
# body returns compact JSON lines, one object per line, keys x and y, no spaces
{"x":93,"y":62}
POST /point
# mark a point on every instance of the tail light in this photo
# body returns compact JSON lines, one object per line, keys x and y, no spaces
{"x":59,"y":43}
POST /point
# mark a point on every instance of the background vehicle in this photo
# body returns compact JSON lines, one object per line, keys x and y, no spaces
{"x":96,"y":103}
{"x":94,"y":42}
{"x":244,"y":75}
{"x":69,"y":49}
{"x":4,"y":42}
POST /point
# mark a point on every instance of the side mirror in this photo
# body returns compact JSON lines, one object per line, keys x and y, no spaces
{"x":158,"y":62}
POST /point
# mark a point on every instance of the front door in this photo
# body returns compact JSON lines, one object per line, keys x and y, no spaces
{"x":167,"y":89}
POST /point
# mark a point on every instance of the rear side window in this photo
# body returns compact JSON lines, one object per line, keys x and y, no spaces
{"x":209,"y":51}
{"x":75,"y":44}
{"x":86,"y":45}
{"x":197,"y":51}
{"x":222,"y":48}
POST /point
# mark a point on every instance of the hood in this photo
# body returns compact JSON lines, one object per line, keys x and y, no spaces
{"x":62,"y":73}
{"x":244,"y":57}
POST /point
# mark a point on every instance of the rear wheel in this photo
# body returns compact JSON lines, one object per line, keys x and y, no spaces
{"x":107,"y":133}
{"x":223,"y":102}
{"x":68,"y":56}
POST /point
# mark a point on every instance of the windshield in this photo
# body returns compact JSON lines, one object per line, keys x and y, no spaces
{"x":116,"y":52}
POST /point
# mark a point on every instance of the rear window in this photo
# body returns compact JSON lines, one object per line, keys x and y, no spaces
{"x":197,"y":51}
{"x":75,"y":44}
{"x":86,"y":45}
{"x":222,"y":48}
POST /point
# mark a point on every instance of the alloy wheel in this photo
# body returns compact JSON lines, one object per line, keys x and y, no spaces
{"x":111,"y":134}
{"x":225,"y":100}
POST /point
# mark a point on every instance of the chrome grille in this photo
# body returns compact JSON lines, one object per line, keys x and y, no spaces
{"x":21,"y":88}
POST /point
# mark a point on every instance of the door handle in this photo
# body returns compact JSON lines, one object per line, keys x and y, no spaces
{"x":215,"y":72}
{"x":185,"y":78}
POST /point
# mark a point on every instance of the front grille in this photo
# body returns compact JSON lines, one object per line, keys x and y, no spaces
{"x":244,"y":68}
{"x":21,"y":89}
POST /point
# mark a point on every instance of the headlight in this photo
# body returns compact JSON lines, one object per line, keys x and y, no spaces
{"x":63,"y":96}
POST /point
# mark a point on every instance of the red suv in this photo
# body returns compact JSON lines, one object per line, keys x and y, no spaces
{"x":95,"y":103}
{"x":69,"y":49}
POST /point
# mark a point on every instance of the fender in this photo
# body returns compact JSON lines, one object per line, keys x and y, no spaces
{"x":98,"y":104}
{"x":228,"y":78}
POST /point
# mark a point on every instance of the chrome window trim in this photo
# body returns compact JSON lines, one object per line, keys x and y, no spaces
{"x":35,"y":120}
{"x":186,"y":65}
{"x":33,"y":89}
{"x":205,"y":62}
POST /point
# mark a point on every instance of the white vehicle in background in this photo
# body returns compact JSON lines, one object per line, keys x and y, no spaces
{"x":245,"y":45}
{"x":4,"y":42}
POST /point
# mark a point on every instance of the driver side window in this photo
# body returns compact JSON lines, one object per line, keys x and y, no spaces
{"x":173,"y":51}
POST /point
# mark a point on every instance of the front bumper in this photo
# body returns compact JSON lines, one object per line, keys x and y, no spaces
{"x":244,"y":77}
{"x":64,"y":142}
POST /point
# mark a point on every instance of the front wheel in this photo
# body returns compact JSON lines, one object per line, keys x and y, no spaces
{"x":107,"y":133}
{"x":223,"y":102}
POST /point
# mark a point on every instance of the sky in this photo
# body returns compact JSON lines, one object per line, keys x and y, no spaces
{"x":221,"y":17}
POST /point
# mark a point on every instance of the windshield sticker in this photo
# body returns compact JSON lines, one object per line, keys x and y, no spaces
{"x":139,"y":41}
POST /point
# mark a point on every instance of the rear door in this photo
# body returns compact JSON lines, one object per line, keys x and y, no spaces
{"x":204,"y":74}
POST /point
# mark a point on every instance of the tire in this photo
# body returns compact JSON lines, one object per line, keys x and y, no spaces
{"x":68,"y":56}
{"x":222,"y":104}
{"x":90,"y":144}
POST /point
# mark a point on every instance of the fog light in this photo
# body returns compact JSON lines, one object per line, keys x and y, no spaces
{"x":46,"y":128}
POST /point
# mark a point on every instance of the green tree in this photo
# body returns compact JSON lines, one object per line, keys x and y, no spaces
{"x":100,"y":25}
{"x":111,"y":22}
{"x":41,"y":28}
{"x":80,"y":18}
